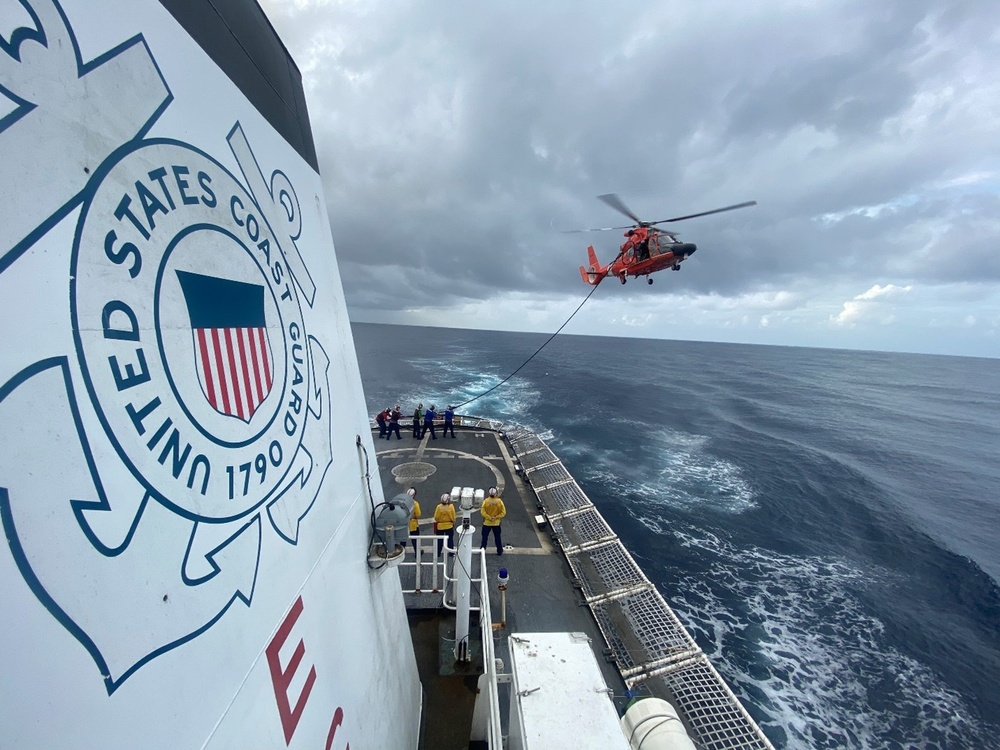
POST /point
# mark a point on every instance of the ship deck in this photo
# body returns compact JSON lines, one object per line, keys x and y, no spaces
{"x":568,"y":572}
{"x":541,"y":596}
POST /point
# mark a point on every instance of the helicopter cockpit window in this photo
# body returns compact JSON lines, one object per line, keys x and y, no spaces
{"x":666,"y":243}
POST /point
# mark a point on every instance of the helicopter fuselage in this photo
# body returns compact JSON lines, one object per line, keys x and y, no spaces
{"x":644,"y":251}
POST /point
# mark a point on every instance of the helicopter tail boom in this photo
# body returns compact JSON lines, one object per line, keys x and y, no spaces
{"x":596,"y":272}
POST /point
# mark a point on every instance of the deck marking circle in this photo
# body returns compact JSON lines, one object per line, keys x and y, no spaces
{"x":499,"y":483}
{"x":415,"y":471}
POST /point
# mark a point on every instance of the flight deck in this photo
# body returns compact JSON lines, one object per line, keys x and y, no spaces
{"x":567,"y":572}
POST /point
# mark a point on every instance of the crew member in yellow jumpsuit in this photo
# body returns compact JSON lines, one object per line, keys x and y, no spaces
{"x":444,"y":521}
{"x":493,"y":511}
{"x":414,"y":517}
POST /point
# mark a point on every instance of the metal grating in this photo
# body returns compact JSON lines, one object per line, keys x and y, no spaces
{"x":580,"y":528}
{"x":477,"y":423}
{"x":548,"y":475}
{"x":565,"y":497}
{"x":525,"y":443}
{"x":605,"y":569}
{"x":715,"y":719}
{"x":640,"y":628}
{"x":537,"y":458}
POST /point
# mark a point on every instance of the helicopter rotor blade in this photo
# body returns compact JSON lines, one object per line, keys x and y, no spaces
{"x":706,"y":213}
{"x":599,"y":229}
{"x":616,"y":203}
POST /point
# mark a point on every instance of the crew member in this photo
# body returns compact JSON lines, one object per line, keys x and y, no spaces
{"x":444,"y":521}
{"x":418,"y":413}
{"x":380,"y":419}
{"x":642,"y":250}
{"x":449,"y":421}
{"x":493,"y":511}
{"x":429,"y":416}
{"x":394,"y":416}
{"x":414,"y":518}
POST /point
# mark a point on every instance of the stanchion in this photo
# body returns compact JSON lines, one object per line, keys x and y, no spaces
{"x":503,"y":578}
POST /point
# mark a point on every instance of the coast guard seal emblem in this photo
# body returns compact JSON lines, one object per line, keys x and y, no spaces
{"x":172,"y":406}
{"x":190,"y":331}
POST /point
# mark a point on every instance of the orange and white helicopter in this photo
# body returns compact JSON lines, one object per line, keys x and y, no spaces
{"x":647,"y":249}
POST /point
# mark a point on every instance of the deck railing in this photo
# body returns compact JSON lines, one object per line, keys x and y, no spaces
{"x":652,"y":649}
{"x":429,"y":566}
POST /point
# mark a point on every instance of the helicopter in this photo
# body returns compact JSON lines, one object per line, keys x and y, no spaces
{"x":647,"y":248}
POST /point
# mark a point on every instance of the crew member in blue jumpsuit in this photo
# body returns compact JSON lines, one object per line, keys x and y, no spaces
{"x":429,"y":416}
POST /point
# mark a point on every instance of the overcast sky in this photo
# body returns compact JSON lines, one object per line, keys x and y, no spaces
{"x":457,"y":140}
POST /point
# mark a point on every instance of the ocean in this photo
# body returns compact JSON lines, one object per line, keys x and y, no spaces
{"x":824,"y":522}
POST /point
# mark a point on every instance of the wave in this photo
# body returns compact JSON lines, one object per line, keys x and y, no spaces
{"x":659,"y":467}
{"x":812,"y":657}
{"x":455,"y":381}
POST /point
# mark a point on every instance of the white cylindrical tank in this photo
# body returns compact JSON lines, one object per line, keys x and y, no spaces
{"x":653,"y":724}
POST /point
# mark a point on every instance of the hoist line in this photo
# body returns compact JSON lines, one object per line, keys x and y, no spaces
{"x":475,"y":398}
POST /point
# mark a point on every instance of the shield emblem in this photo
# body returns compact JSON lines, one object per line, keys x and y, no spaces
{"x":231,"y":349}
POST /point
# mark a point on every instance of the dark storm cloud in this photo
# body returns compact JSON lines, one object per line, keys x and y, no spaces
{"x":457,"y":141}
{"x":850,"y":86}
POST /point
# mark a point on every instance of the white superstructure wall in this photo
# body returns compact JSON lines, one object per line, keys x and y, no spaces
{"x":183,"y":499}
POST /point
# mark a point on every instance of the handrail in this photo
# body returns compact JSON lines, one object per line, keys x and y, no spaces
{"x":494,"y":730}
{"x":495,"y":733}
{"x":420,"y":565}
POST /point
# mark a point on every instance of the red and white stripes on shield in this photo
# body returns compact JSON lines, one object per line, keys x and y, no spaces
{"x":234,"y":367}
